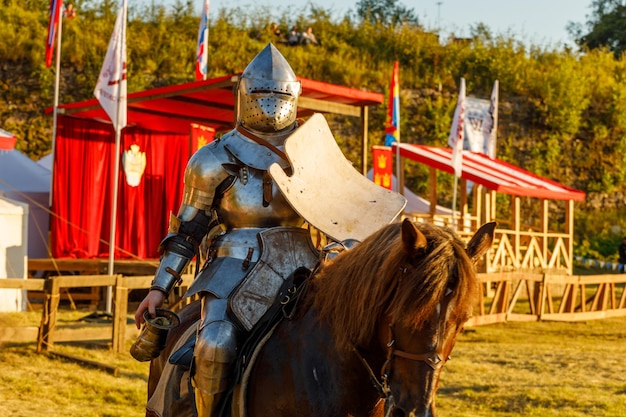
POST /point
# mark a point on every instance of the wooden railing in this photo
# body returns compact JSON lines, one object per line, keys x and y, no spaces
{"x":505,"y":296}
{"x":522,"y":296}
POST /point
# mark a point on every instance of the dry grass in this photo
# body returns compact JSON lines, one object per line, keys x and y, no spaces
{"x":34,"y":385}
{"x":537,"y":369}
{"x":513,"y":369}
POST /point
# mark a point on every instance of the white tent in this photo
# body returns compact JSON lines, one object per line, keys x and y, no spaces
{"x":13,"y":248}
{"x":414,"y":203}
{"x":22,"y":179}
{"x":46,"y":162}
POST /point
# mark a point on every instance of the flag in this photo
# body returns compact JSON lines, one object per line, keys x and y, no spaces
{"x":455,"y":141}
{"x":200,"y":136}
{"x":53,"y":23}
{"x":202,"y":51}
{"x":111,"y":88}
{"x":383,"y":166}
{"x":490,"y":127}
{"x":392,"y":124}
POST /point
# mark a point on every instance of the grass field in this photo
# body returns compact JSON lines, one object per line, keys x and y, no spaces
{"x":512,"y":369}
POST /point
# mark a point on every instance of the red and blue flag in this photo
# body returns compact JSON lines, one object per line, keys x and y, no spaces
{"x":53,"y":24}
{"x":392,"y":124}
{"x":202,"y":52}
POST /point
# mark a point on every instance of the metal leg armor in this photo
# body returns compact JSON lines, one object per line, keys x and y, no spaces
{"x":214,"y":354}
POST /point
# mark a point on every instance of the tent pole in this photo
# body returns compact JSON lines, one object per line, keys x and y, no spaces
{"x":118,"y":133}
{"x":55,"y":109}
{"x":116,"y":175}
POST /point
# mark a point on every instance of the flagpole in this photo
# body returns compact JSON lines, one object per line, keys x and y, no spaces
{"x":455,"y":141}
{"x":116,"y":170}
{"x":456,"y":181}
{"x":55,"y":110}
{"x":398,"y":165}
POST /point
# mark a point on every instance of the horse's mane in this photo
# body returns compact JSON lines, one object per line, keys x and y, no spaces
{"x":377,"y":277}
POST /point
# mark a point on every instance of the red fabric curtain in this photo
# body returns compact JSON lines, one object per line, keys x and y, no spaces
{"x":83,"y":190}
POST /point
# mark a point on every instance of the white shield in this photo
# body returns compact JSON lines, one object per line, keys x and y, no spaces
{"x":327,"y":191}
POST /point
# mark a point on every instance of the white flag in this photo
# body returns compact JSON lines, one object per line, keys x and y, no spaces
{"x":455,"y":140}
{"x":490,"y":127}
{"x":111,"y":88}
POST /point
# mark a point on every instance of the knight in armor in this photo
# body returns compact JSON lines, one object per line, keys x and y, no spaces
{"x":228,"y":200}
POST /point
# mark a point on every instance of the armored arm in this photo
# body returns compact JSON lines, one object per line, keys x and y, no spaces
{"x":203,"y":175}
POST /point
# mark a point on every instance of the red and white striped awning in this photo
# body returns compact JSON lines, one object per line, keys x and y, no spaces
{"x":493,"y":174}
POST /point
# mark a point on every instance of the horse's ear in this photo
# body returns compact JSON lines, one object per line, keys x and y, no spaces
{"x":412,"y":239}
{"x":481,"y":241}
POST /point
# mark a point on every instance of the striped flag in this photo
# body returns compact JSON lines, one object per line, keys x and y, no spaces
{"x":202,"y":52}
{"x":111,"y":88}
{"x":53,"y":23}
{"x":457,"y":132}
{"x":392,"y":124}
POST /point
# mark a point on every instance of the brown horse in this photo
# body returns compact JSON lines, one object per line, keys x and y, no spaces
{"x":377,"y":322}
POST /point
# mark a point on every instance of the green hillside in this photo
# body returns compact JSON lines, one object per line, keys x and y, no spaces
{"x":562,"y":113}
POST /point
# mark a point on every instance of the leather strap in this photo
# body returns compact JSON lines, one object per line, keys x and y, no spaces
{"x":262,"y":142}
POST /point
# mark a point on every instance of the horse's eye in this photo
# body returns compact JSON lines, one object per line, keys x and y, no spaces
{"x":448,"y":291}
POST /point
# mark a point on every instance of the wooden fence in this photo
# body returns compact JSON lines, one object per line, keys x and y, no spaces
{"x":50,"y":331}
{"x":507,"y":296}
{"x":527,"y":296}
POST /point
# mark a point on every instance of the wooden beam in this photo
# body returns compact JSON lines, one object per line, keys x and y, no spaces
{"x":328,"y":107}
{"x":432,"y":188}
{"x":31,"y":284}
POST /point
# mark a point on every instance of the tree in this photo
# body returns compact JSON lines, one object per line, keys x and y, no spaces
{"x":385,"y":12}
{"x":606,"y":27}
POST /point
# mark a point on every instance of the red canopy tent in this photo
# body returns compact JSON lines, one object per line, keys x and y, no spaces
{"x":492,"y":173}
{"x":159,"y":124}
{"x":522,"y":242}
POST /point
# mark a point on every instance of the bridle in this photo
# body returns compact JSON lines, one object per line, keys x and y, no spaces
{"x":434,"y":359}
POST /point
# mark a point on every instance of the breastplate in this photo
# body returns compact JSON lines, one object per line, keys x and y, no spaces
{"x":242,"y":205}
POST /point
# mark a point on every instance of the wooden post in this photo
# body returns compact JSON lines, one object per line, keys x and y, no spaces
{"x":45,"y":338}
{"x":477,"y":197}
{"x":463,"y":205}
{"x":544,"y":228}
{"x":517,"y":221}
{"x":492,"y":197}
{"x":364,"y":139}
{"x":569,"y":225}
{"x":433,"y":192}
{"x":120,"y":311}
{"x":542,"y":295}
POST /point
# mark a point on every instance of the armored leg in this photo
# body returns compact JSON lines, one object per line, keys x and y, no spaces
{"x":214,"y":355}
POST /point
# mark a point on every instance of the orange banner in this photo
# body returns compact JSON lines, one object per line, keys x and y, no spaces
{"x":383,"y":165}
{"x":200,"y":136}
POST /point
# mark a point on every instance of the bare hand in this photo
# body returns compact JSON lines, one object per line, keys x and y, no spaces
{"x":154,"y":299}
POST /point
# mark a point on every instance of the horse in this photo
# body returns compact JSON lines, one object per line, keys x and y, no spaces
{"x":370,"y":334}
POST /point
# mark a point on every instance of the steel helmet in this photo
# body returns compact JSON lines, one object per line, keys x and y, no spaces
{"x":268,"y":93}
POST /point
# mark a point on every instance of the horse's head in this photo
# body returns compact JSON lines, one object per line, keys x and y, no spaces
{"x":436,"y":289}
{"x":397,"y":301}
